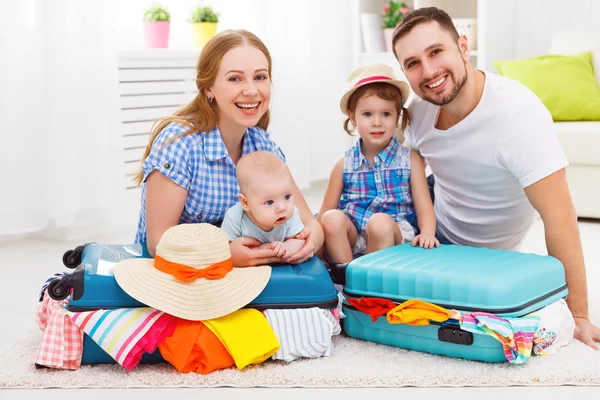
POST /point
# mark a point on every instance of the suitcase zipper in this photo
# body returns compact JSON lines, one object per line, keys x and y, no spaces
{"x":325,"y":305}
{"x":491,"y":311}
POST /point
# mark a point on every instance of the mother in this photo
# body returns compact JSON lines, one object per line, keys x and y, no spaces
{"x":188,"y":169}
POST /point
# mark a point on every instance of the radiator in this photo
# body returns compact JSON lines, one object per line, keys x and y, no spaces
{"x":153,"y":83}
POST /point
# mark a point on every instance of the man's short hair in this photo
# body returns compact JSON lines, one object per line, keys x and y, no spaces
{"x":420,"y":16}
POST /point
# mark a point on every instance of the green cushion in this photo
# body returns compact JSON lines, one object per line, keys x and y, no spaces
{"x":565,"y":84}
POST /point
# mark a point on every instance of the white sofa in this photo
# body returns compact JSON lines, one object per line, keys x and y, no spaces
{"x":581,"y":139}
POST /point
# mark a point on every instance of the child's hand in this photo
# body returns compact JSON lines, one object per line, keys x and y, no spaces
{"x":292,"y":247}
{"x":307,"y":249}
{"x":279,"y":249}
{"x":426,"y":241}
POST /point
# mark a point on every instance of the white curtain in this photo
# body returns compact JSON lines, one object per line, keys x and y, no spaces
{"x":59,"y":161}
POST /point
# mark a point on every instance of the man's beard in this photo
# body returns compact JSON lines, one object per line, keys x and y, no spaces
{"x":452,"y":95}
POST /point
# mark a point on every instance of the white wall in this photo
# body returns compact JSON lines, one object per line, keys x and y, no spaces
{"x":456,"y":9}
{"x":523,"y":28}
{"x":332,"y":60}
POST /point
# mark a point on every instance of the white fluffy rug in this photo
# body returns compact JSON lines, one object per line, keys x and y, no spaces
{"x":354,"y":363}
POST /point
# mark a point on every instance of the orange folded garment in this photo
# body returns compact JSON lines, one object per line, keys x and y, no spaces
{"x":193,"y":347}
{"x":373,"y":306}
{"x":416,"y":312}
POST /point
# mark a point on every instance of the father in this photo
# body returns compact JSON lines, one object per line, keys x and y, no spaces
{"x":493,"y":150}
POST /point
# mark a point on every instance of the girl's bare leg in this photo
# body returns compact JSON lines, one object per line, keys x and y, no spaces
{"x":340,"y":236}
{"x":382,"y":232}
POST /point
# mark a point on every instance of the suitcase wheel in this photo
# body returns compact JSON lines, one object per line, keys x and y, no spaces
{"x":72,"y":258}
{"x":59,"y":289}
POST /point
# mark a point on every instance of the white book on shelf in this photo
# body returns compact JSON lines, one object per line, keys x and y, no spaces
{"x":372,"y":32}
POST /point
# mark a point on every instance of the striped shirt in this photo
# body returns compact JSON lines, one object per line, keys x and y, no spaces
{"x":200,"y":164}
{"x":117,"y":331}
{"x":303,"y":332}
{"x":380,"y":188}
{"x":515,"y":334}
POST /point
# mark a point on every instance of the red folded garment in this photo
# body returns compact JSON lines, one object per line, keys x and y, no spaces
{"x":373,"y":306}
{"x":162,"y":328}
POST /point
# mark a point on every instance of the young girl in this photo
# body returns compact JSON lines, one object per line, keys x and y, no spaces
{"x":379,"y":187}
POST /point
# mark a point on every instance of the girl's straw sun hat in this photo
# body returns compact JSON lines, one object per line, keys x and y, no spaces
{"x":370,"y":74}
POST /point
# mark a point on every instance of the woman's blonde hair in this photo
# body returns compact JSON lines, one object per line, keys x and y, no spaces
{"x":384,"y":91}
{"x":202,"y":115}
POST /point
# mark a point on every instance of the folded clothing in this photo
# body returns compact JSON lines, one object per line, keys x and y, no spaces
{"x":193,"y":347}
{"x":62,"y":342}
{"x":417,"y":313}
{"x":515,"y":334}
{"x":556,"y":329}
{"x":118,"y":331}
{"x":303,"y":332}
{"x":247,"y":336}
{"x":373,"y":306}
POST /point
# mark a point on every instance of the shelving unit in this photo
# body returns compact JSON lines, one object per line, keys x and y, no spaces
{"x":456,"y":9}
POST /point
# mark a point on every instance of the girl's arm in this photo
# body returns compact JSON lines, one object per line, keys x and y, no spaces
{"x":164,"y":204}
{"x":334,"y":189}
{"x":420,"y":195}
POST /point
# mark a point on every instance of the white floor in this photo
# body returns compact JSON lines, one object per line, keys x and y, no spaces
{"x":27,"y":263}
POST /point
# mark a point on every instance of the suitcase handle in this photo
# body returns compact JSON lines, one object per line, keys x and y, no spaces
{"x":453,"y":334}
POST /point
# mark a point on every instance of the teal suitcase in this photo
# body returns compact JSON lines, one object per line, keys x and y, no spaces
{"x":468,"y":279}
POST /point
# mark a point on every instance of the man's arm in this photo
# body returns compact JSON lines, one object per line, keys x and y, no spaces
{"x":551,"y":198}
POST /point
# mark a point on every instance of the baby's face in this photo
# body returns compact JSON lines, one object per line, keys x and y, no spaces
{"x":270,"y":200}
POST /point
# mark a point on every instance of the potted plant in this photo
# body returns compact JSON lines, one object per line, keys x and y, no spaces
{"x":392,"y":13}
{"x":157,"y":24}
{"x":204,"y":22}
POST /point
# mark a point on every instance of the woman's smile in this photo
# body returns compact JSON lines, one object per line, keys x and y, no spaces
{"x":249,"y":109}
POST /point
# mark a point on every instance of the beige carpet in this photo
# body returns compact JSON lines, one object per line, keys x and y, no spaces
{"x":354,"y":363}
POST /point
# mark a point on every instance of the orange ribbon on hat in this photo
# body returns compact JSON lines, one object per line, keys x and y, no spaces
{"x":186,"y":274}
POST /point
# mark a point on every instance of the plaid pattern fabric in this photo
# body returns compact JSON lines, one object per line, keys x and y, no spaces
{"x":380,"y":188}
{"x":62,"y":342}
{"x":200,"y":164}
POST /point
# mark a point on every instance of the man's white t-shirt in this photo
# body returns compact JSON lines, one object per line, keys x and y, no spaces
{"x":482,"y":164}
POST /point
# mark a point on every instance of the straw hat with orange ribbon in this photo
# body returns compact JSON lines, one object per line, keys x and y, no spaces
{"x":192,"y":276}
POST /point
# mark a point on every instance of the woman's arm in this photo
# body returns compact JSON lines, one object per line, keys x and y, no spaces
{"x":312,"y":233}
{"x":331,"y":200}
{"x":422,"y":201}
{"x":334,"y":186}
{"x":164,"y":205}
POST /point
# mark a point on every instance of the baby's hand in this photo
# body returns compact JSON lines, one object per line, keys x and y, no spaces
{"x":293,"y":246}
{"x":279,"y":249}
{"x":426,"y":241}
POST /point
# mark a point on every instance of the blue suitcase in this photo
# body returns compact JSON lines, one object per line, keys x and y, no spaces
{"x":92,"y":286}
{"x":468,"y":279}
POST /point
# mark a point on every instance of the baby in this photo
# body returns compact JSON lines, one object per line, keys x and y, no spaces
{"x":266,"y":210}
